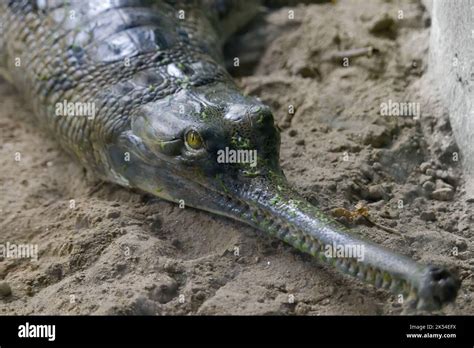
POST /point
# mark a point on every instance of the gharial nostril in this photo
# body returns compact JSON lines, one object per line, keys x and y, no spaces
{"x":448,"y":284}
{"x":440,"y":285}
{"x":438,"y":274}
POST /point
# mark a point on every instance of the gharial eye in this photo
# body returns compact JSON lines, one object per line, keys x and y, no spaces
{"x":194,"y":140}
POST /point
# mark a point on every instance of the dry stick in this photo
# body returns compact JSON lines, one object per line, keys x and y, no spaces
{"x":352,"y":53}
{"x":385,"y":228}
{"x":347,"y":214}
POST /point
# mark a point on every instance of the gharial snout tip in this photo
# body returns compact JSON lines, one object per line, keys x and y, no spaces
{"x":437,"y":288}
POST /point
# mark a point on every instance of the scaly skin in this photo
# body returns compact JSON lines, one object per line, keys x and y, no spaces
{"x":156,"y":78}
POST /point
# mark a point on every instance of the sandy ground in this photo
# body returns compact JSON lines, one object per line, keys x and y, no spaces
{"x":123,"y":252}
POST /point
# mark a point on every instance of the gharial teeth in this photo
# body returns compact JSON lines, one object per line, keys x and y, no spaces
{"x":314,"y":250}
{"x":322,"y":257}
{"x":344,"y":265}
{"x":284,"y":232}
{"x":310,"y":244}
{"x":370,"y":276}
{"x":412,"y":298}
{"x":387,"y":280}
{"x":361,"y":273}
{"x":316,"y":245}
{"x":421,"y":304}
{"x":395,"y":285}
{"x":378,"y":280}
{"x":354,"y":268}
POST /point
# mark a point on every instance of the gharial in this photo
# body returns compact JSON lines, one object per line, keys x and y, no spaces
{"x":164,"y":107}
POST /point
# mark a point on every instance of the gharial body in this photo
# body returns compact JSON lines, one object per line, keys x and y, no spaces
{"x":165,"y":106}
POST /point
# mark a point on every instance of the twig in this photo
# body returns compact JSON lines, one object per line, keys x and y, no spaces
{"x":352,"y":53}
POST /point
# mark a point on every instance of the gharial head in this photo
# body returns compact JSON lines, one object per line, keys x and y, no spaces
{"x":201,"y":141}
{"x":215,"y":149}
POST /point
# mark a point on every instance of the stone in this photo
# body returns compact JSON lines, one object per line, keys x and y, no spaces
{"x":165,"y":290}
{"x":424,"y":166}
{"x":429,"y":186}
{"x":5,"y":289}
{"x":376,"y":193}
{"x":113,"y":214}
{"x":461,"y":245}
{"x":424,"y":178}
{"x":443,"y":194}
{"x":428,"y":216}
{"x":292,"y":133}
{"x":385,"y":27}
{"x":441,"y":184}
{"x":377,"y":166}
{"x":375,"y":135}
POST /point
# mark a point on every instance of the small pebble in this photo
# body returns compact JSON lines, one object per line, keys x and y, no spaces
{"x":464,"y":225}
{"x":200,"y":296}
{"x":429,"y":186}
{"x":165,"y":291}
{"x":302,"y":309}
{"x":443,"y":194}
{"x":424,"y":178}
{"x":461,"y":245}
{"x":441,"y":184}
{"x":300,"y":142}
{"x":384,"y":26}
{"x":448,"y":225}
{"x":441,"y":174}
{"x":389,"y":214}
{"x":375,"y":135}
{"x":452,"y":179}
{"x":376,"y":192}
{"x":5,"y":289}
{"x":176,"y":243}
{"x":430,"y":172}
{"x":120,"y":267}
{"x":367,"y":171}
{"x":29,"y":291}
{"x":113,"y":214}
{"x":424,"y":166}
{"x":428,"y":216}
{"x":292,"y":133}
{"x":377,"y":166}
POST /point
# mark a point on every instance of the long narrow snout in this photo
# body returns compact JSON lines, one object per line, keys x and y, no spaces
{"x":273,"y":207}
